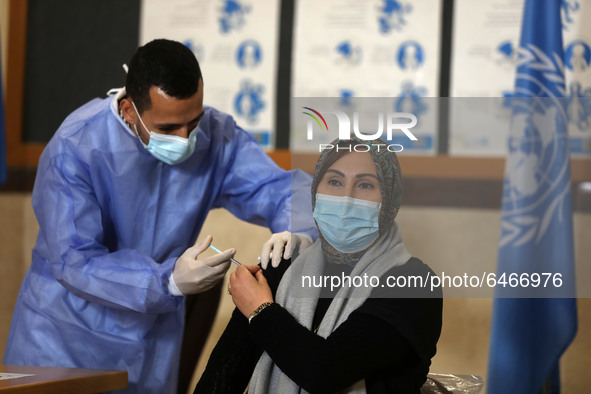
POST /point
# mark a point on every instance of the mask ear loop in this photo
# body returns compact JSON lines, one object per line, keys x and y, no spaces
{"x":142,"y":122}
{"x":139,"y":117}
{"x":138,"y":134}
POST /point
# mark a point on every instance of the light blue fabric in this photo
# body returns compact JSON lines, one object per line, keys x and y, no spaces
{"x":348,"y":224}
{"x":113,"y":220}
{"x":171,"y":149}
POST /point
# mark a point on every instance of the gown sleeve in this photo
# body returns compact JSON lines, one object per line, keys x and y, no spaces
{"x":73,"y":244}
{"x":255,"y":189}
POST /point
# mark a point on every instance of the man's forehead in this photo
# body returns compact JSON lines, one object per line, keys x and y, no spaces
{"x":169,"y":110}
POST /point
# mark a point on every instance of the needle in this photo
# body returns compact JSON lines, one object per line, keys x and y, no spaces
{"x":219,"y":251}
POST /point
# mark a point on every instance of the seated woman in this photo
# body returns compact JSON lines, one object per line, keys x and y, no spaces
{"x":289,"y":334}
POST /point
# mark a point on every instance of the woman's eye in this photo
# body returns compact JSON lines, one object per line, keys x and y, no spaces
{"x":333,"y":182}
{"x":366,"y":185}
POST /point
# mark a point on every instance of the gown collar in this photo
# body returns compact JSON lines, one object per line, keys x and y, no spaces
{"x":118,"y":94}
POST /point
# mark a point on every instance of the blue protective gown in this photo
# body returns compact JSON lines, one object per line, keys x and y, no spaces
{"x":112,"y":222}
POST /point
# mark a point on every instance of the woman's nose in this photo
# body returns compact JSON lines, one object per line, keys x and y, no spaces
{"x":349,"y":190}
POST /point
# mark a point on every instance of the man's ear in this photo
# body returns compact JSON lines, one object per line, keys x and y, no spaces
{"x":128,"y":111}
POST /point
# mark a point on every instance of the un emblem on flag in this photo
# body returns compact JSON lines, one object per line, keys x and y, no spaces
{"x":537,"y":174}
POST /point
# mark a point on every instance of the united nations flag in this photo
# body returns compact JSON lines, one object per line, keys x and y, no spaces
{"x":534,"y":313}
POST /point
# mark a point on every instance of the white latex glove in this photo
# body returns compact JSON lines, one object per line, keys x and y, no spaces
{"x":282,"y":244}
{"x":192,"y":275}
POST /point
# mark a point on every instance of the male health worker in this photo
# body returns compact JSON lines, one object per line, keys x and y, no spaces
{"x":121,"y":193}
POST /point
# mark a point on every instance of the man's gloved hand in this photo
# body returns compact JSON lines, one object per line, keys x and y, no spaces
{"x":192,"y":275}
{"x":285,"y":244}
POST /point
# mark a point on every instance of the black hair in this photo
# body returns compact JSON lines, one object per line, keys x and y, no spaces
{"x":168,"y":65}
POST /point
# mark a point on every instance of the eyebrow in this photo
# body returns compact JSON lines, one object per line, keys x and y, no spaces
{"x":356,"y":176}
{"x":173,"y":125}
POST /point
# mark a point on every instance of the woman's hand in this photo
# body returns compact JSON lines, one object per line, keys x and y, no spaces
{"x":249,"y":288}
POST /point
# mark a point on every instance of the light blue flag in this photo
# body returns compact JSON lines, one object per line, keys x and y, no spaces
{"x":2,"y":134}
{"x":534,"y":314}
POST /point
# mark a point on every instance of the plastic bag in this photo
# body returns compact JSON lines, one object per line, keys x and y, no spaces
{"x":452,"y":384}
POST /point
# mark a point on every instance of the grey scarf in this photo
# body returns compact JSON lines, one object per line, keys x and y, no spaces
{"x":387,"y":253}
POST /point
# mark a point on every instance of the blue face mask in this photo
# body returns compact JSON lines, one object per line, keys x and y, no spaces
{"x":170,"y":149}
{"x":348,"y":224}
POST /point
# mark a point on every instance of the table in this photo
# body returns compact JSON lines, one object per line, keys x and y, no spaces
{"x":48,"y":380}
